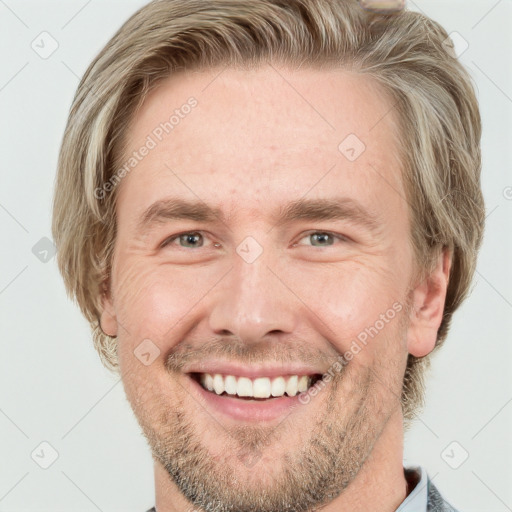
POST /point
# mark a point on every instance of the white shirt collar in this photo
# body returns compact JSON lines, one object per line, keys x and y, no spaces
{"x":418,"y":498}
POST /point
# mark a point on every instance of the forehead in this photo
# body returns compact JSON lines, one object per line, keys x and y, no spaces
{"x":257,"y":138}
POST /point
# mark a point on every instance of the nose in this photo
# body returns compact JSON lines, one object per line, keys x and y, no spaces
{"x":254,"y":302}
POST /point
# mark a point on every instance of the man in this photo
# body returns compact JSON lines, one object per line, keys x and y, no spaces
{"x":269,"y":211}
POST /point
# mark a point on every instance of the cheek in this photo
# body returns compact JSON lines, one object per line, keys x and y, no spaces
{"x":359,"y":303}
{"x":155,"y":301}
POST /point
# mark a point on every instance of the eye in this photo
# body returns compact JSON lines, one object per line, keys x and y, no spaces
{"x":323,"y":238}
{"x":188,"y":240}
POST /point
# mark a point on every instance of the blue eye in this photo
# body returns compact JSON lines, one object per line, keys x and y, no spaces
{"x":189,"y":239}
{"x":323,"y":238}
{"x":195,"y":239}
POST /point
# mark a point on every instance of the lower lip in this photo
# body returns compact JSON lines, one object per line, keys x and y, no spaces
{"x":244,"y":409}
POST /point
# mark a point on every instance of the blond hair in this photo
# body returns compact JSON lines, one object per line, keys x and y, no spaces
{"x":406,"y":52}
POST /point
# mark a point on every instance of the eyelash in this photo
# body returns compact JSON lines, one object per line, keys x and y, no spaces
{"x":172,"y":238}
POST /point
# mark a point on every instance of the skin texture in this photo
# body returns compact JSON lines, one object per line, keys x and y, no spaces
{"x":255,"y":141}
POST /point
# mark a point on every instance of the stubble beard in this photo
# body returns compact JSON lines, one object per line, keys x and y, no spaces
{"x":332,"y":454}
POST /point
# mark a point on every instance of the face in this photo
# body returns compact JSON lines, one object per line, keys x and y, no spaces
{"x":261,"y":246}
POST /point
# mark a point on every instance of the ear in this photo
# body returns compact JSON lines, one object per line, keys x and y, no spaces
{"x":428,"y":298}
{"x":108,"y":319}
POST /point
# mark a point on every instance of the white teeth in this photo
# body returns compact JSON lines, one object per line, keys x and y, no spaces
{"x":261,"y":387}
{"x":292,"y":385}
{"x":218,"y":384}
{"x":244,"y":387}
{"x":208,"y":381}
{"x":230,"y":385}
{"x":303,"y":383}
{"x":278,"y":386}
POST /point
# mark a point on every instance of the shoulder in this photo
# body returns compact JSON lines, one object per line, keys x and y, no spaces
{"x":435,"y":502}
{"x":424,"y":495}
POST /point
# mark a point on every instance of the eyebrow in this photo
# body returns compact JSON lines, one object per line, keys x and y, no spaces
{"x":337,"y":208}
{"x":341,"y":208}
{"x":175,"y":209}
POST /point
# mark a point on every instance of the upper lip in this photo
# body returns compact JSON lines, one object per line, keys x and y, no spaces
{"x":252,"y":371}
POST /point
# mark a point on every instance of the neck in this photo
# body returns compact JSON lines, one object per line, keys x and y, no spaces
{"x":379,"y":485}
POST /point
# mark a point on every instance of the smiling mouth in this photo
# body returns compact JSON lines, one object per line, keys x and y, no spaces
{"x":261,"y":388}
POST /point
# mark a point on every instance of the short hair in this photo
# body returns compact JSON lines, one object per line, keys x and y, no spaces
{"x":407,"y":53}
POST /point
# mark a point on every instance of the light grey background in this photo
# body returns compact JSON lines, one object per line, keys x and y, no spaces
{"x":53,"y":388}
